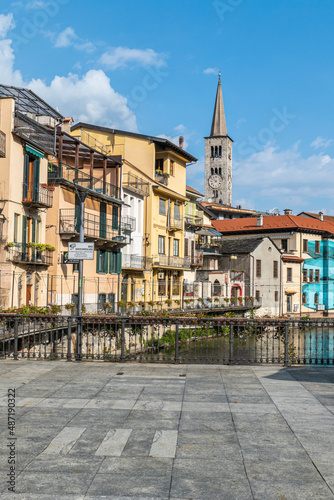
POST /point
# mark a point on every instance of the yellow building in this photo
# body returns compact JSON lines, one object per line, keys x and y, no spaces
{"x":156,"y":168}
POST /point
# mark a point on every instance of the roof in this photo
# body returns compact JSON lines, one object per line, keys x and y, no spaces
{"x":273,"y":223}
{"x":218,"y":127}
{"x":157,"y":140}
{"x":26,"y":101}
{"x":292,"y":259}
{"x":329,"y":218}
{"x":240,"y":245}
{"x":192,"y":190}
{"x":225,"y":208}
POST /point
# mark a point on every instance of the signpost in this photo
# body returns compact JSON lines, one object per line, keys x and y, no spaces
{"x":80,"y":251}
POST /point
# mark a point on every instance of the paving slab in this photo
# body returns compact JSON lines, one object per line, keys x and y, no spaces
{"x":215,"y":432}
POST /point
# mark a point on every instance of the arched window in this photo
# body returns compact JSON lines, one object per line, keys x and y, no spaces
{"x":217,"y":289}
{"x":216,"y":151}
{"x":304,"y":298}
{"x":220,"y":151}
{"x":216,"y":170}
{"x":220,"y":171}
{"x":316,"y":298}
{"x":212,"y":151}
{"x":212,"y":171}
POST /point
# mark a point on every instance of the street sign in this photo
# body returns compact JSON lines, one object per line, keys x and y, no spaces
{"x":66,"y":260}
{"x":81,"y":251}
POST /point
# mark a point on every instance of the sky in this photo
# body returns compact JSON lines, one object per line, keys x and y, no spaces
{"x":152,"y":67}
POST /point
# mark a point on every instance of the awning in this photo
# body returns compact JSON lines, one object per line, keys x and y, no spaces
{"x":207,"y":232}
{"x":34,"y":151}
{"x":290,"y":292}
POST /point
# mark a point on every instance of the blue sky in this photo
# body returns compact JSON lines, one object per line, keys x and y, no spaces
{"x":152,"y":67}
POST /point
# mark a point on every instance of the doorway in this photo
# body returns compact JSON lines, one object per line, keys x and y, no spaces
{"x":28,"y":295}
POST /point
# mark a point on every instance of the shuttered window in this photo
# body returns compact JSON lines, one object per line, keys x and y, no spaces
{"x":258,"y":268}
{"x":275,"y":271}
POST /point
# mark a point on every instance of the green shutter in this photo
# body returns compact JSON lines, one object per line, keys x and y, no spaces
{"x":115,"y":217}
{"x":98,"y":261}
{"x":105,"y":261}
{"x":36,"y":179}
{"x":24,"y":234}
{"x":34,"y":230}
{"x":103,"y":220}
{"x":25,"y":177}
{"x":119,"y":263}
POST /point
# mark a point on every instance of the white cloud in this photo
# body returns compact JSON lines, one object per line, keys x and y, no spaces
{"x":65,"y":38}
{"x":6,"y":24}
{"x":121,"y":57}
{"x":35,"y":4}
{"x":180,"y":128}
{"x":211,"y":71}
{"x":320,"y":142}
{"x":285,"y":178}
{"x":88,"y":98}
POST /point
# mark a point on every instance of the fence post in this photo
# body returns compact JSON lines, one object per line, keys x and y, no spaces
{"x":78,"y":356}
{"x":122,"y":339}
{"x":69,"y":338}
{"x":16,"y":336}
{"x":177,"y":359}
{"x":286,"y":343}
{"x":231,"y":344}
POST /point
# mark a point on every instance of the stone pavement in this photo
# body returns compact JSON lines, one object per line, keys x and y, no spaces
{"x":100,"y":430}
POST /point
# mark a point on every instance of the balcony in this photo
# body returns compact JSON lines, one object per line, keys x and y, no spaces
{"x":210,"y":248}
{"x":129,"y":222}
{"x":175,"y":262}
{"x":42,"y":137}
{"x":136,"y":262}
{"x":197,"y":259}
{"x":136,"y":184}
{"x":23,"y":254}
{"x":70,"y":175}
{"x":237,"y":275}
{"x":37,"y":195}
{"x":161,"y":177}
{"x":192,"y":221}
{"x":175,"y":224}
{"x":2,"y":145}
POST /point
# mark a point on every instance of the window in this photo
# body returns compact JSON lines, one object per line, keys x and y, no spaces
{"x":304,"y":298}
{"x":258,"y":269}
{"x":317,"y":247}
{"x":285,"y":245}
{"x":16,"y":227}
{"x":305,"y":245}
{"x":186,"y":247}
{"x":162,"y":245}
{"x":171,"y":168}
{"x":276,"y":296}
{"x":115,"y":262}
{"x":103,"y":220}
{"x":316,"y":298}
{"x":162,"y":206}
{"x":177,"y":211}
{"x":176,"y":247}
{"x":220,"y":151}
{"x":289,"y":274}
{"x":305,"y":275}
{"x":162,"y":287}
{"x":159,"y":164}
{"x":212,"y":152}
{"x":216,"y":151}
{"x":311,"y":276}
{"x":257,"y":294}
{"x":212,"y":171}
{"x":114,"y":216}
{"x":275,"y":270}
{"x":317,"y":275}
{"x":102,"y":261}
{"x":220,"y":171}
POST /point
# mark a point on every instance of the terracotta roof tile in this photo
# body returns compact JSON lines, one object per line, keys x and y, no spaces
{"x":192,"y":190}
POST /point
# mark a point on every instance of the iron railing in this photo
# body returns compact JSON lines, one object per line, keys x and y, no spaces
{"x":42,"y":137}
{"x":135,"y":184}
{"x":193,"y":220}
{"x":136,"y":262}
{"x":78,"y":177}
{"x":94,"y":227}
{"x":197,"y":258}
{"x":175,"y":223}
{"x":37,"y":195}
{"x":129,"y":222}
{"x":23,"y":254}
{"x":171,"y":261}
{"x":167,"y":340}
{"x":163,"y":179}
{"x":2,"y":144}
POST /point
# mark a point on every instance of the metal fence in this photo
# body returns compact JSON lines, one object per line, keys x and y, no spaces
{"x":169,"y":340}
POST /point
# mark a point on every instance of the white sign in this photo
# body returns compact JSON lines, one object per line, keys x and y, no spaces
{"x":81,"y":251}
{"x":321,"y":307}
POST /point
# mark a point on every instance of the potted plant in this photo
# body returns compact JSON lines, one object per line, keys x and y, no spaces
{"x":70,"y":307}
{"x":232,"y":300}
{"x":240,"y":300}
{"x":227,"y":300}
{"x":10,"y":244}
{"x":151,"y":303}
{"x":158,"y":172}
{"x":168,"y":302}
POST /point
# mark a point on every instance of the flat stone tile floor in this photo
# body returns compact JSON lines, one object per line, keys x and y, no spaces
{"x":100,"y":430}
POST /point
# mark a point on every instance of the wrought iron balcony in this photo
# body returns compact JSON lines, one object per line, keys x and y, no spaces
{"x":129,"y":222}
{"x":171,"y":261}
{"x":37,"y":195}
{"x":161,"y":177}
{"x":136,"y":262}
{"x":237,"y":275}
{"x":2,"y":144}
{"x":193,"y":221}
{"x":175,"y":224}
{"x":197,"y":259}
{"x":25,"y":255}
{"x":75,"y":176}
{"x":136,"y":184}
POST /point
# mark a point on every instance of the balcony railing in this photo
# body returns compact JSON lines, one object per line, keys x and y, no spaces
{"x":136,"y":184}
{"x":42,"y":137}
{"x":136,"y":262}
{"x":193,"y":220}
{"x":129,"y":222}
{"x":165,"y":261}
{"x":37,"y":195}
{"x":163,"y":179}
{"x":21,"y":253}
{"x":237,"y":275}
{"x":78,"y":177}
{"x":210,"y":248}
{"x":175,"y":223}
{"x":197,"y":259}
{"x":2,"y":144}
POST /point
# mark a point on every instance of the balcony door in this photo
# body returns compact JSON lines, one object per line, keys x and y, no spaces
{"x":31,"y":178}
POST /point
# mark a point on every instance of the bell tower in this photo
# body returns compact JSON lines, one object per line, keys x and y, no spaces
{"x":218,"y":157}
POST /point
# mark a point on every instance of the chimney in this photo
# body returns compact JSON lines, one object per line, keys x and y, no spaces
{"x":66,"y":125}
{"x":287,"y":211}
{"x":181,"y":140}
{"x":259,"y":220}
{"x":321,"y":216}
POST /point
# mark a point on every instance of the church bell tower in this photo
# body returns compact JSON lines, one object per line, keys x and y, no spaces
{"x":218,"y":157}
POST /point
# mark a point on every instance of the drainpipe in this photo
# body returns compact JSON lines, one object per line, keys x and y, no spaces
{"x":280,"y":306}
{"x":252,"y":284}
{"x":300,"y":278}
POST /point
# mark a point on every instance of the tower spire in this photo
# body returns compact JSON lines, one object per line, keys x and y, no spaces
{"x":218,"y":126}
